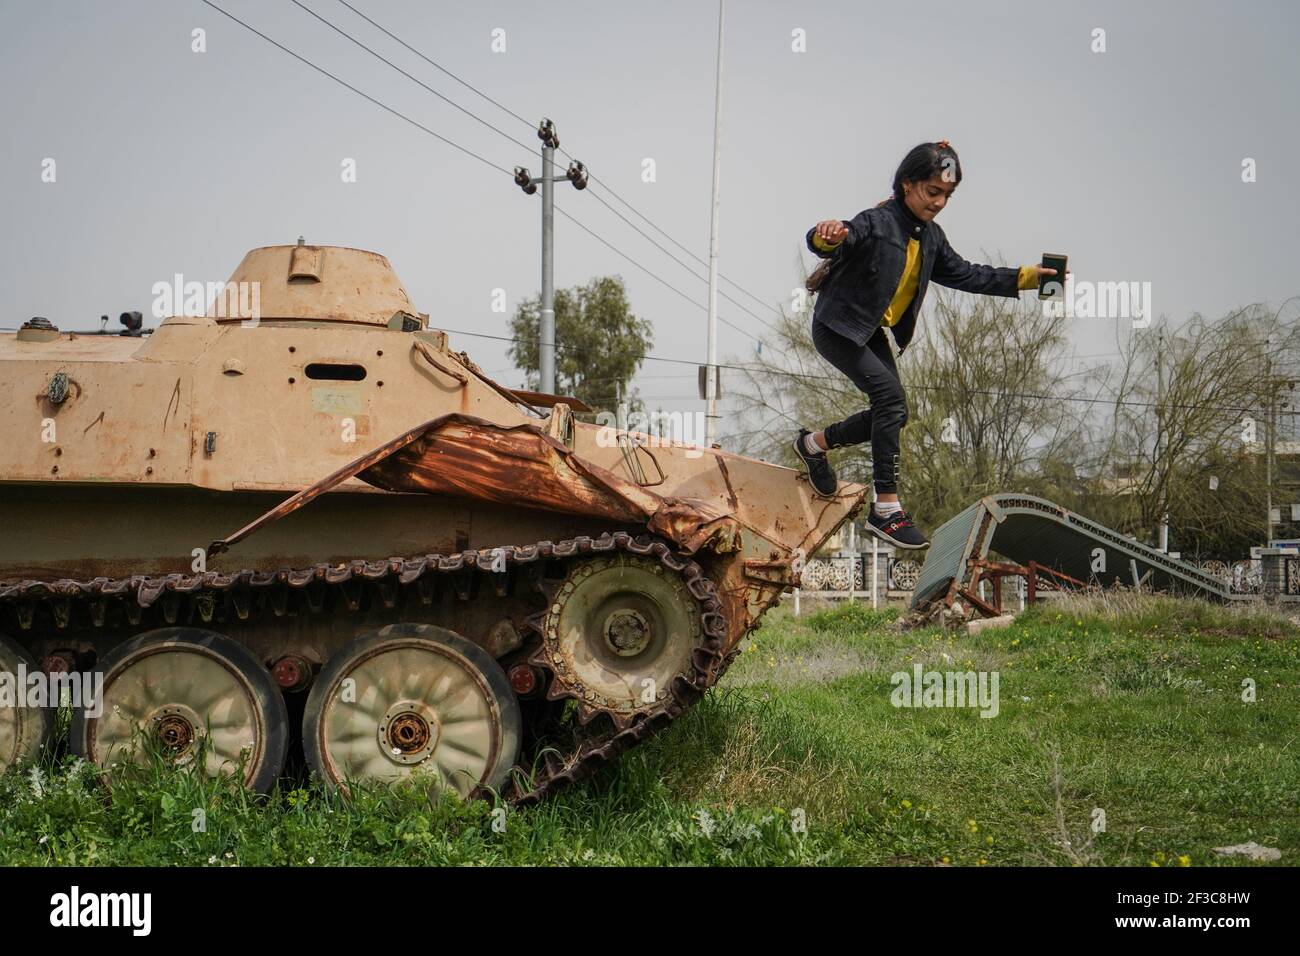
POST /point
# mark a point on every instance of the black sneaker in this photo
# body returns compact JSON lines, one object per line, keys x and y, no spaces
{"x":897,"y":529}
{"x":820,"y":472}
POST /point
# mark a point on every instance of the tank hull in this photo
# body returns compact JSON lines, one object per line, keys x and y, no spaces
{"x":328,"y":485}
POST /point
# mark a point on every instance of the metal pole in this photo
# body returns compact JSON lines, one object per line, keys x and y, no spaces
{"x":1268,"y":449}
{"x":853,"y":561}
{"x":875,"y":548}
{"x":1160,"y":463}
{"x":546,"y":354}
{"x":711,"y":392}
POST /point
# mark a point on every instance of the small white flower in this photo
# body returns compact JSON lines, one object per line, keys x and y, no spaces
{"x":311,"y":859}
{"x":212,"y":859}
{"x":43,"y":839}
{"x":705,"y":821}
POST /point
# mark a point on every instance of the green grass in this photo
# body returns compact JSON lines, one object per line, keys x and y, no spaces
{"x":1128,"y":704}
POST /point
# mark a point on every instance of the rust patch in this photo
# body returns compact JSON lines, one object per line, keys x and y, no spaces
{"x":470,"y":457}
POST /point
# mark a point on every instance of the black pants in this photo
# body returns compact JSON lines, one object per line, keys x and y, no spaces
{"x":871,"y":368}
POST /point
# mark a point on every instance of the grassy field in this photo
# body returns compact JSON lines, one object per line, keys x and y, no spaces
{"x":1128,"y":705}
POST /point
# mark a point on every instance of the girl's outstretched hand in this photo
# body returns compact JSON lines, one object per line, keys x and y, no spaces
{"x":831,"y":231}
{"x":1050,"y":272}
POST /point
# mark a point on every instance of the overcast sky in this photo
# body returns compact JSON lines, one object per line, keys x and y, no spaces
{"x":173,"y":161}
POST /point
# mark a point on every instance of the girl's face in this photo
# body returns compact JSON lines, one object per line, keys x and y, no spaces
{"x":927,"y":198}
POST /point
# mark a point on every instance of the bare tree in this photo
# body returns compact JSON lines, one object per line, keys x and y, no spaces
{"x":994,"y":409}
{"x":1190,"y":419}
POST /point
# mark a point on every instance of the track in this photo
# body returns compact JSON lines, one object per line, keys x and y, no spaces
{"x":143,"y":600}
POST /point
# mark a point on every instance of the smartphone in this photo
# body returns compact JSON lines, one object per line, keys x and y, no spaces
{"x":1053,"y":287}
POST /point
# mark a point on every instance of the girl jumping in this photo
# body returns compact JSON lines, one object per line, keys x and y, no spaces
{"x":883,"y":260}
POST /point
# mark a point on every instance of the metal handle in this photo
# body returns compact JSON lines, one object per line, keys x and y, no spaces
{"x":432,"y":359}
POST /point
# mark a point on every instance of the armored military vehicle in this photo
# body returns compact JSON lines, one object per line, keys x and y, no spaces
{"x":317,"y":501}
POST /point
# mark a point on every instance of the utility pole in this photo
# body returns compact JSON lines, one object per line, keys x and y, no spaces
{"x":1268,"y":448}
{"x":711,"y":370}
{"x":1160,"y":428}
{"x":1272,"y":423}
{"x":576,"y":174}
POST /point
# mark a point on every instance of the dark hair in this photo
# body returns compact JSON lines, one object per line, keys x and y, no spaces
{"x":924,"y":161}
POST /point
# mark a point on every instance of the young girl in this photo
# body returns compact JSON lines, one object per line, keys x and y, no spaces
{"x":884,"y":259}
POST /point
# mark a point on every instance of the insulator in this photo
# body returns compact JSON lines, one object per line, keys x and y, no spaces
{"x":547,"y":134}
{"x":524,"y":179}
{"x":577,"y":174}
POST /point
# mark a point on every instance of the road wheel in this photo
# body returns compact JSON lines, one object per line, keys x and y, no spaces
{"x":193,"y":693}
{"x":617,"y":635}
{"x":408,"y":699}
{"x":24,"y":730}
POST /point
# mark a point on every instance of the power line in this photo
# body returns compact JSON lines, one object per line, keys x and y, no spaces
{"x":367,"y":96}
{"x":436,"y":65}
{"x":656,"y":277}
{"x":609,"y":189}
{"x":704,"y":279}
{"x":343,"y":33}
{"x":566,"y":153}
{"x":449,"y":142}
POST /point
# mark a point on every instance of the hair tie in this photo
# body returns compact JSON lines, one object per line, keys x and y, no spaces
{"x":943,"y":144}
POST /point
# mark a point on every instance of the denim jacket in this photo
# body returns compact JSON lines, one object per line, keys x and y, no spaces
{"x":853,"y":298}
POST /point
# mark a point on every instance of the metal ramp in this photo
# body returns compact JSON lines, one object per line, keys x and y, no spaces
{"x":1046,"y":539}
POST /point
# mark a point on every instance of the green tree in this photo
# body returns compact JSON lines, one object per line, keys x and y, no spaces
{"x":1186,"y":438}
{"x":600,"y":344}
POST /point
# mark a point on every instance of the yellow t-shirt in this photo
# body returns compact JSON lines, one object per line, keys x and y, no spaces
{"x":906,"y":290}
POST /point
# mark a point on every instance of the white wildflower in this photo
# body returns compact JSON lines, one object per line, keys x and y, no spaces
{"x":705,"y":821}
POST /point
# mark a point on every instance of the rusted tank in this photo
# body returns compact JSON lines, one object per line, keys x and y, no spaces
{"x":324,"y":505}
